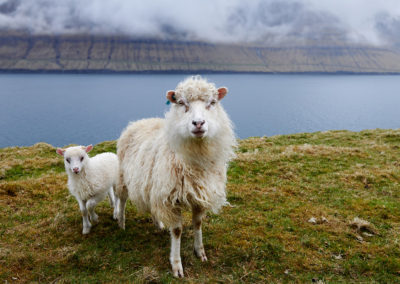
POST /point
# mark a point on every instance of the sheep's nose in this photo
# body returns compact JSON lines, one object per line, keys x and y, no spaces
{"x":198,"y":123}
{"x":76,"y":170}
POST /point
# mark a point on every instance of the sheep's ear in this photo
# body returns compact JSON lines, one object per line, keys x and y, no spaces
{"x":88,"y":148}
{"x":222,"y":93}
{"x":60,"y":151}
{"x":171,"y":96}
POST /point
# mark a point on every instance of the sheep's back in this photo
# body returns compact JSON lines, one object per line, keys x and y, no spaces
{"x":137,"y":149}
{"x":137,"y":133}
{"x":106,"y":168}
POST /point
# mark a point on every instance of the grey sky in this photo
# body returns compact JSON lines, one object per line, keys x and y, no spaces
{"x":253,"y":21}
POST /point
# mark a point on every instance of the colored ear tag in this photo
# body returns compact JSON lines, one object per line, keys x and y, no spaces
{"x":169,"y":102}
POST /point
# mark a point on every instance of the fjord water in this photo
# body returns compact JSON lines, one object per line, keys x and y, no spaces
{"x":63,"y":109}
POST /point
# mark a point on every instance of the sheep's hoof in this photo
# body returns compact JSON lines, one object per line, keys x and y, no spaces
{"x":177,"y":269}
{"x":200,"y":253}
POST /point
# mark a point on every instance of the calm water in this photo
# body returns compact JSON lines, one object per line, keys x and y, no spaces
{"x":82,"y":109}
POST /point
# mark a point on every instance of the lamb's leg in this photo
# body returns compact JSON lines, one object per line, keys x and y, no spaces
{"x":175,"y":256}
{"x":90,"y":205}
{"x":111,"y":197}
{"x":198,"y":238}
{"x":121,"y":197}
{"x":85,"y":217}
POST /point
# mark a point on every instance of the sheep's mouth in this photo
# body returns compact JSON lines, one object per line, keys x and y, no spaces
{"x":199,"y":133}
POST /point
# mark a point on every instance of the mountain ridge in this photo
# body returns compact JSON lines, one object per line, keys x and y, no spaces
{"x":112,"y":54}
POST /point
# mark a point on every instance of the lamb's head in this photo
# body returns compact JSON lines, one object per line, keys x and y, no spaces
{"x":196,"y":112}
{"x":75,"y":158}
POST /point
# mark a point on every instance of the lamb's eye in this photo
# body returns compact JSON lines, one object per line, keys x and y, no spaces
{"x":182,"y":103}
{"x":68,"y":160}
{"x":81,"y":159}
{"x":213,"y":103}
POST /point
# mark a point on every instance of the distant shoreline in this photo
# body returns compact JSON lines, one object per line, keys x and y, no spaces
{"x":26,"y":71}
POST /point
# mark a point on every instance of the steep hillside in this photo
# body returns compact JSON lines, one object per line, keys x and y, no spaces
{"x":20,"y":52}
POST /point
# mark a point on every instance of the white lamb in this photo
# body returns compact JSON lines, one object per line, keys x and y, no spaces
{"x":178,"y":162}
{"x":90,"y":180}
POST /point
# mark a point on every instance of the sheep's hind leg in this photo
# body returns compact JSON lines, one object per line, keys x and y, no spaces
{"x":116,"y":209}
{"x":159,"y":225}
{"x":85,"y":218}
{"x":122,"y":196}
{"x":198,"y":237}
{"x":175,"y":256}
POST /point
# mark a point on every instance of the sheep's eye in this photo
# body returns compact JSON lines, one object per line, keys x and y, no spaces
{"x":182,"y":103}
{"x":68,"y":160}
{"x":212,"y":103}
{"x":81,"y":159}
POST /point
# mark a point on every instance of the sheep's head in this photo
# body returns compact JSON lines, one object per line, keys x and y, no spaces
{"x":196,"y":111}
{"x":75,"y":158}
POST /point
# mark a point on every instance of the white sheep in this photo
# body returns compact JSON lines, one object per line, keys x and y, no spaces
{"x":90,"y":180}
{"x":178,"y":162}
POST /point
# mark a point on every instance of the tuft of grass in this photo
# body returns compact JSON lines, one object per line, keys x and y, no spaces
{"x":347,"y":181}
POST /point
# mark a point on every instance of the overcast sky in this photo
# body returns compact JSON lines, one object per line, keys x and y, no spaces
{"x":252,"y":21}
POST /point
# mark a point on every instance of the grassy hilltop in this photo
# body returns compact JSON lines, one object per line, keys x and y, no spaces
{"x":276,"y":186}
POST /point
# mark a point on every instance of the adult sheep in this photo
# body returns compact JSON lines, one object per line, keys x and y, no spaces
{"x":178,"y":162}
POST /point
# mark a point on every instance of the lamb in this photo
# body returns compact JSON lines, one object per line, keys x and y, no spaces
{"x":90,"y":180}
{"x":167,"y":165}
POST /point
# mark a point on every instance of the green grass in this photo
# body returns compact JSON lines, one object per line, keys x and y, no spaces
{"x":275,"y":185}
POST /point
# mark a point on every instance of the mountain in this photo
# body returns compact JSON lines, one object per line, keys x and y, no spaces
{"x":20,"y":52}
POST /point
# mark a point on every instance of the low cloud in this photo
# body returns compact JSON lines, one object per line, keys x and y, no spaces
{"x":234,"y":21}
{"x":389,"y":28}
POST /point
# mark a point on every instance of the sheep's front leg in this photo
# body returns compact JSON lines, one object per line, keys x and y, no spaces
{"x":198,"y":238}
{"x":175,"y":256}
{"x":85,"y":217}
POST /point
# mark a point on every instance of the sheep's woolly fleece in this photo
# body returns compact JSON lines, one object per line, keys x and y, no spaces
{"x":164,"y":172}
{"x":196,"y":88}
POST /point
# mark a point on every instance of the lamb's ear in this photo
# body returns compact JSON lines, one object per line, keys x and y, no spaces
{"x":171,"y":96}
{"x":88,"y":148}
{"x":60,"y":151}
{"x":222,"y":93}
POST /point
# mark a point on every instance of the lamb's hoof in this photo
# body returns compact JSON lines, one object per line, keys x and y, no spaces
{"x":200,"y":253}
{"x":86,"y":230}
{"x":121,"y":224}
{"x":177,"y":269}
{"x":94,"y":218}
{"x":115,"y":215}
